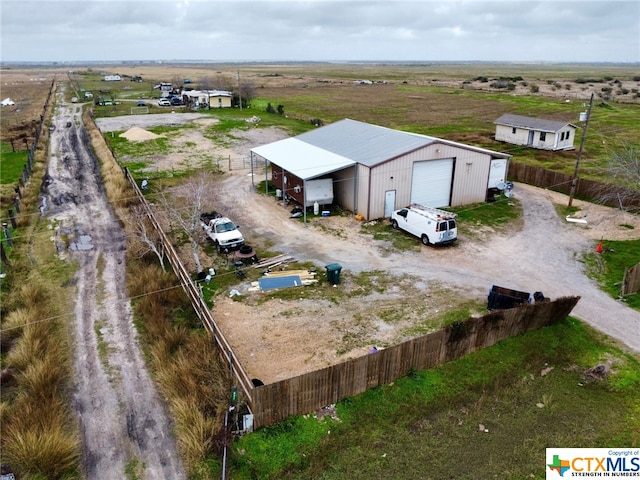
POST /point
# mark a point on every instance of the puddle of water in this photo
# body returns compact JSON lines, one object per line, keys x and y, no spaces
{"x":83,"y":243}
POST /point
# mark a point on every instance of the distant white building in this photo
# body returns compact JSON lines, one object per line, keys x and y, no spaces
{"x":7,"y":102}
{"x":535,"y":132}
{"x":112,"y":78}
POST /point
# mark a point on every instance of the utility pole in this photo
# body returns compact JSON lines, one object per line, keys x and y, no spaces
{"x":239,"y":91}
{"x":574,"y":181}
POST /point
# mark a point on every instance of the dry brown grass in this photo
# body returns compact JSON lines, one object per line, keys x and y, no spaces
{"x":184,"y":361}
{"x":38,"y":443}
{"x":119,"y":190}
{"x":195,"y":430}
{"x":29,"y":92}
{"x":38,"y":435}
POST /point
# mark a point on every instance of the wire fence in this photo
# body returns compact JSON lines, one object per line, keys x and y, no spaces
{"x":27,"y":170}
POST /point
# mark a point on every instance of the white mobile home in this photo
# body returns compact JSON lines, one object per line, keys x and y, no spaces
{"x":207,"y":98}
{"x":535,"y":132}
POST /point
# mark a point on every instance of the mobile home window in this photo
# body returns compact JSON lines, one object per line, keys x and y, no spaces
{"x":543,"y":136}
{"x":513,"y":130}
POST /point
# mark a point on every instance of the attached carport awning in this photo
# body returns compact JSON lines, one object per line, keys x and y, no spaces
{"x":302,"y":159}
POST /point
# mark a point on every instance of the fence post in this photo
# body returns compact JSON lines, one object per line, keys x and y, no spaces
{"x":12,"y":218}
{"x":3,"y":255}
{"x":16,"y":204}
{"x":7,"y":234}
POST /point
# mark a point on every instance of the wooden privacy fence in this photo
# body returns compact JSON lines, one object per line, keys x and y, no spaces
{"x":631,"y":281}
{"x":306,"y":393}
{"x":606,"y":194}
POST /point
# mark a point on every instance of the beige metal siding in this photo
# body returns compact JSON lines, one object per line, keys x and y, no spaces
{"x":362,"y":207}
{"x":470,"y":177}
{"x":392,"y":175}
{"x":343,"y":188}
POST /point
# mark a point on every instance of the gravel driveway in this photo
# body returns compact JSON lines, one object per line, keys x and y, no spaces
{"x":543,"y":255}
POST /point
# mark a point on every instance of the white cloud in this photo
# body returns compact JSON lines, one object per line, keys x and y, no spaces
{"x":241,"y":30}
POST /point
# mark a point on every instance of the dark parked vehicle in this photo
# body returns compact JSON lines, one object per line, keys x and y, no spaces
{"x":141,"y":103}
{"x":501,"y":298}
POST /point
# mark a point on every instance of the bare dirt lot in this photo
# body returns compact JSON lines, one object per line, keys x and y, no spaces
{"x":278,"y":339}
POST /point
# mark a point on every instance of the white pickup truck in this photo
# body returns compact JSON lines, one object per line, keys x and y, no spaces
{"x":222,"y":231}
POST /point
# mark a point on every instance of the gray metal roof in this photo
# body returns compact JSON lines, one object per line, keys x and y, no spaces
{"x":364,"y":143}
{"x":532,"y":123}
{"x":345,"y":143}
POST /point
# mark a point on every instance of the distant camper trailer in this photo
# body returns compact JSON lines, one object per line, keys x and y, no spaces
{"x":112,"y":78}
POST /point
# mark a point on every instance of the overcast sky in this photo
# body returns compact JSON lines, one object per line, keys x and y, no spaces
{"x":313,"y":30}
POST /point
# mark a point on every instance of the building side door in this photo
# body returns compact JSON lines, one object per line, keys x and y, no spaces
{"x":530,"y":140}
{"x":389,"y":202}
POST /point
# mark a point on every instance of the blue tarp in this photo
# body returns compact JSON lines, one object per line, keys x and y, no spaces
{"x":271,"y":283}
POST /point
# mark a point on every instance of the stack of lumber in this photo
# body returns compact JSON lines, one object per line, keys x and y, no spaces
{"x":273,"y":261}
{"x":303,"y":274}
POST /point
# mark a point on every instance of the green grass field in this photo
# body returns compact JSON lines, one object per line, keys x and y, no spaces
{"x":11,"y":164}
{"x":443,"y":100}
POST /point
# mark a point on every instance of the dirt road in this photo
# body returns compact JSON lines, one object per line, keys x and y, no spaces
{"x":123,"y":424}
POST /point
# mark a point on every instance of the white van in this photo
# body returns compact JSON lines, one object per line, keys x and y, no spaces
{"x":431,"y":225}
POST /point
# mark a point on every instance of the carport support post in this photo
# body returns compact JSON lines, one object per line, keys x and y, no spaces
{"x":304,"y":200}
{"x":253,"y":183}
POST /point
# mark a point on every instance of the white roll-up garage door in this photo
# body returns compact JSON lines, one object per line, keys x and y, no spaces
{"x":431,"y":182}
